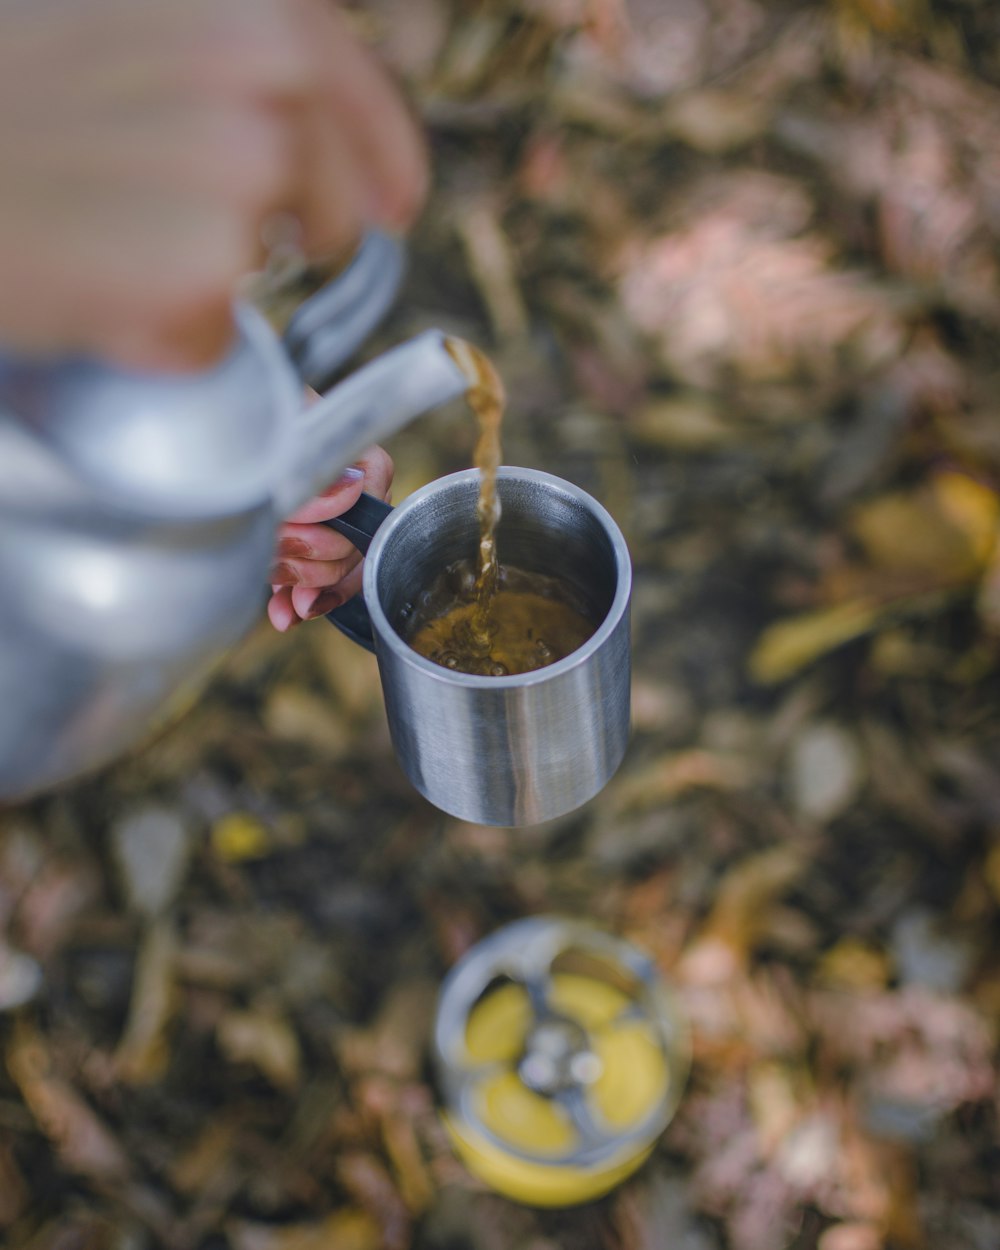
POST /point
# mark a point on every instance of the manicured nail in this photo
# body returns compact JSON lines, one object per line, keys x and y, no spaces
{"x":293,"y":547}
{"x":283,"y":575}
{"x":326,"y":602}
{"x":351,"y":474}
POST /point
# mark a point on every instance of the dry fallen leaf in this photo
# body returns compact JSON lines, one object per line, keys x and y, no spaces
{"x":343,"y":1230}
{"x":929,"y":541}
{"x":853,"y":964}
{"x":672,"y":775}
{"x":81,"y":1139}
{"x":688,"y":422}
{"x":715,"y":121}
{"x":208,"y":1161}
{"x":738,"y":288}
{"x":775,"y":1097}
{"x":851,"y":1236}
{"x":264,"y":1039}
{"x":350,"y":672}
{"x":740,"y":914}
{"x":789,"y":645}
{"x":493,"y":268}
{"x":395,"y":1043}
{"x":15,"y":1194}
{"x":946,"y":528}
{"x":143,"y":1053}
{"x":991,"y":871}
{"x":296,"y":714}
{"x":369,"y":1184}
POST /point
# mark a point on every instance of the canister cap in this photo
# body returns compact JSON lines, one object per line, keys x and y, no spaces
{"x":561,"y":1057}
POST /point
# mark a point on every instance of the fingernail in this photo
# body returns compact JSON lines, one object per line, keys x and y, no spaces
{"x":293,"y":547}
{"x":283,"y":575}
{"x":326,"y":602}
{"x":351,"y":474}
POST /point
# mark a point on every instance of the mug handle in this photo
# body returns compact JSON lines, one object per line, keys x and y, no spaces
{"x":359,"y":525}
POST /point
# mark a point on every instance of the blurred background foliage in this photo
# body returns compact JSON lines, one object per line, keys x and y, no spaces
{"x":736,"y":262}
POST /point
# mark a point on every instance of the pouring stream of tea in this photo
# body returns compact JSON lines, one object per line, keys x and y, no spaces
{"x":487,"y":399}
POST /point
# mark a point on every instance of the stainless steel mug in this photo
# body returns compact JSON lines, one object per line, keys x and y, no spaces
{"x":511,"y":750}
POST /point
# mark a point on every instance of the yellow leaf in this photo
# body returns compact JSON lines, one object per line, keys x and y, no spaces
{"x":946,"y":527}
{"x":791,"y":644}
{"x":854,"y":965}
{"x":972,"y":508}
{"x":238,"y":836}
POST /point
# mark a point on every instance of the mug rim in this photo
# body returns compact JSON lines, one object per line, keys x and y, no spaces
{"x":385,"y":633}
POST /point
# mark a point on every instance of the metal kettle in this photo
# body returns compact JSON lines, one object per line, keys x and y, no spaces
{"x":138,"y":514}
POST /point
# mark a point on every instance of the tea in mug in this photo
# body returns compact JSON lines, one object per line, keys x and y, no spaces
{"x":529,"y":621}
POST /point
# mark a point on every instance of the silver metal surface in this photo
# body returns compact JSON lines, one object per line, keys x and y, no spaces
{"x":366,"y":408}
{"x":520,"y":749}
{"x":137,"y":523}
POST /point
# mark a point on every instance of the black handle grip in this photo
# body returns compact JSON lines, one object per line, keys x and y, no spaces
{"x":359,"y":525}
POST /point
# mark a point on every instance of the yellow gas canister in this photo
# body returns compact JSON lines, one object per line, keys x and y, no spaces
{"x":561,"y":1055}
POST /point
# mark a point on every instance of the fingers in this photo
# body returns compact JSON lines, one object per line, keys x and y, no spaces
{"x":290,"y":606}
{"x":280,"y":612}
{"x":313,"y":542}
{"x":310,"y":603}
{"x":316,"y":569}
{"x":312,"y":573}
{"x":376,"y":468}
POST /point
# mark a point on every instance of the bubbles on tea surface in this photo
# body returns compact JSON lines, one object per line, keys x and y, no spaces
{"x":463,"y":578}
{"x":533,"y":621}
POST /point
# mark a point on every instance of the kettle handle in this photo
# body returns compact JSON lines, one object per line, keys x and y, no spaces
{"x":358,"y":524}
{"x":329,"y":327}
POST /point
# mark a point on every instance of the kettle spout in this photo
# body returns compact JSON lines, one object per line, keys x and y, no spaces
{"x":366,"y":408}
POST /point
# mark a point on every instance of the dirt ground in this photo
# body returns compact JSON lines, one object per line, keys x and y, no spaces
{"x":737,"y":263}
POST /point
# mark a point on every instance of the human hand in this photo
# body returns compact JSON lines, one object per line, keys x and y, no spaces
{"x":144,"y":144}
{"x":316,"y":569}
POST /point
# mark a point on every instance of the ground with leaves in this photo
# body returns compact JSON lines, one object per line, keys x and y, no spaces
{"x":737,"y":264}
